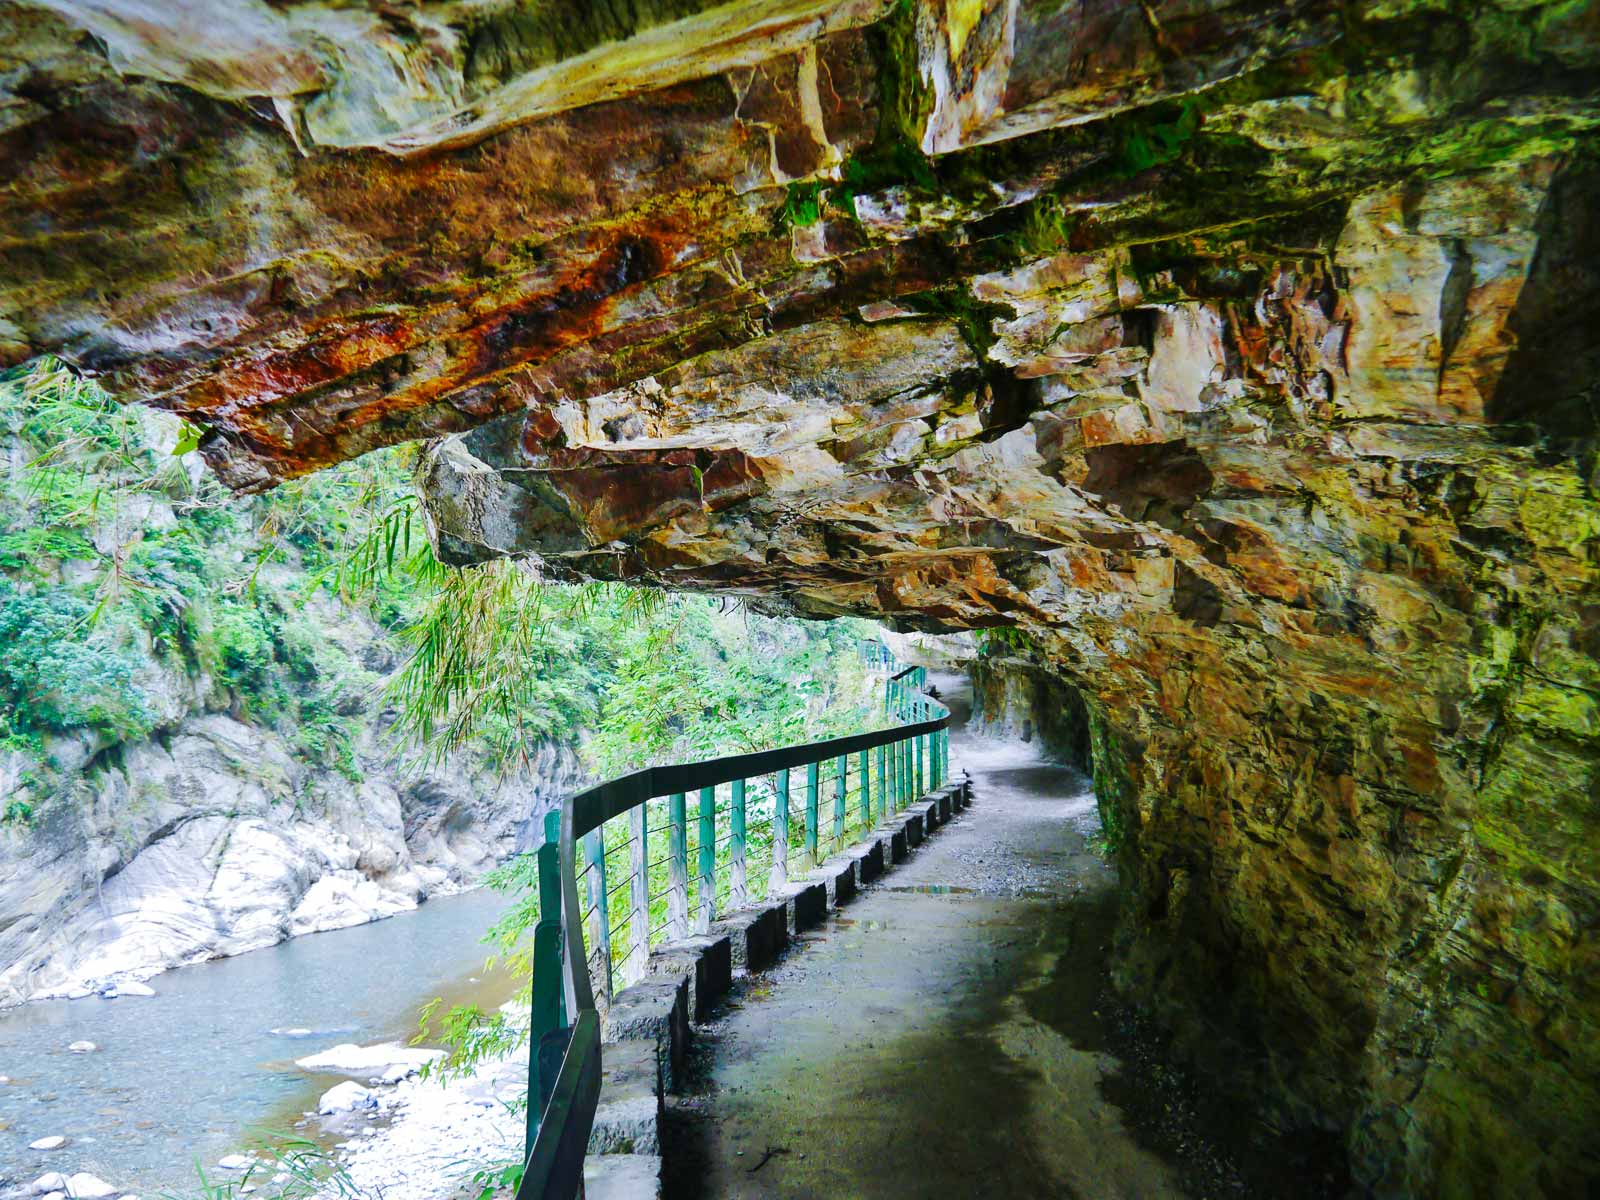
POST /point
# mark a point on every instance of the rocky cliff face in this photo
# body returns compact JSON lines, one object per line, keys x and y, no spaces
{"x":218,"y":836}
{"x":1242,"y":356}
{"x":1015,"y":698}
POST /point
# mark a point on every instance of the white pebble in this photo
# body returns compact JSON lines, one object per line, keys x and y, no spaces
{"x":235,"y":1162}
{"x":54,"y":1142}
{"x":84,"y":1186}
{"x":83,"y":1047}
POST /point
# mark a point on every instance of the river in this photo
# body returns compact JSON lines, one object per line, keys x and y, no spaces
{"x":197,"y":1071}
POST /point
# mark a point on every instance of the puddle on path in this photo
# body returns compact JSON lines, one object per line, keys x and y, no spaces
{"x":933,"y":889}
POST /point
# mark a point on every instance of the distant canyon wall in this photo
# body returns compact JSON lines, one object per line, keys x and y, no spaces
{"x":216,"y":836}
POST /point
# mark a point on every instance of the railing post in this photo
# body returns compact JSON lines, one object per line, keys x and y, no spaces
{"x":707,"y":907}
{"x":677,"y":867}
{"x":638,"y":892}
{"x":545,"y":1017}
{"x":841,"y":785}
{"x":594,"y":844}
{"x":811,"y":814}
{"x":864,"y":764}
{"x":780,"y":833}
{"x":906,"y":794}
{"x":738,"y":891}
{"x":919,"y":739}
{"x":883,"y":782}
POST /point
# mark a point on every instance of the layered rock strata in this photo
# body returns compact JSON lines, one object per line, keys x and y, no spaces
{"x":1240,"y":357}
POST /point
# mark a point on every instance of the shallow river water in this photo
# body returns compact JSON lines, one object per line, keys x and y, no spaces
{"x":195,"y":1072}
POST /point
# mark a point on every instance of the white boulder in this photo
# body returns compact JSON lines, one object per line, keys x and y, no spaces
{"x":235,"y":1162}
{"x":367,"y":1061}
{"x":50,"y":1181}
{"x":83,"y":1047}
{"x":341,"y":899}
{"x":398,"y":1073}
{"x":54,"y":1142}
{"x":54,"y":1196}
{"x":345,"y":1097}
{"x":130,"y":987}
{"x":84,"y":1186}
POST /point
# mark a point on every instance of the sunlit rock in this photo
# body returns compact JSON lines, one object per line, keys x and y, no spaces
{"x":366,"y":1061}
{"x":84,"y":1186}
{"x":345,"y":1097}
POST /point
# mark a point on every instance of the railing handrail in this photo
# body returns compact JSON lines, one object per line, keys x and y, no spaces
{"x":554,"y":1163}
{"x":616,"y":796}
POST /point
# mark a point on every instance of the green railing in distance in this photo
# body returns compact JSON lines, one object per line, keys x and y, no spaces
{"x":755,"y":820}
{"x":875,"y":654}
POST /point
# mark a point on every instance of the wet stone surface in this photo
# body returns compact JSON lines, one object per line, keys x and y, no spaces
{"x":949,"y":1033}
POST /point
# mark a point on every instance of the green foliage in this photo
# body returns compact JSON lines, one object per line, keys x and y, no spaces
{"x":57,"y":675}
{"x":500,"y":1177}
{"x":223,"y":589}
{"x":707,"y":682}
{"x":115,"y":557}
{"x":238,"y":638}
{"x":301,"y":1168}
{"x":503,"y":661}
{"x":1006,"y":638}
{"x":1160,"y":137}
{"x":802,"y":205}
{"x":1046,"y":229}
{"x":472,"y":1035}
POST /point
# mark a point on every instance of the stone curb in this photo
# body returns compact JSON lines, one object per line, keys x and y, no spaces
{"x":622,"y":1177}
{"x":808,"y":906}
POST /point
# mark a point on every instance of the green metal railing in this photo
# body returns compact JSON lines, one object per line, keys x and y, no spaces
{"x":785,"y":811}
{"x":875,"y":654}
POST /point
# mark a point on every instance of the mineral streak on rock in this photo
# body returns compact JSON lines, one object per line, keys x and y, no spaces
{"x":1242,"y":356}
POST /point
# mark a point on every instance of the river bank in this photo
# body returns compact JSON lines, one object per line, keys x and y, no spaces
{"x":436,"y":1140}
{"x":199,"y":1071}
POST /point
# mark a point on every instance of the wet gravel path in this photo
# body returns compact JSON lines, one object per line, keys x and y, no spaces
{"x":950,"y":1033}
